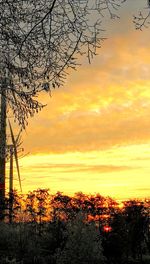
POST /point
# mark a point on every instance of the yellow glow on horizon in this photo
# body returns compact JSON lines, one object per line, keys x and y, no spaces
{"x":115,"y":172}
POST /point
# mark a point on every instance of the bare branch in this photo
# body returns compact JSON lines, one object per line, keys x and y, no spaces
{"x":142,"y":20}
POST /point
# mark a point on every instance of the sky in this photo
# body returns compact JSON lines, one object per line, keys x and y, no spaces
{"x":94,"y":134}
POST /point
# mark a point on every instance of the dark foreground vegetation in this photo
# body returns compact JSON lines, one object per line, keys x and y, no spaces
{"x":57,"y":229}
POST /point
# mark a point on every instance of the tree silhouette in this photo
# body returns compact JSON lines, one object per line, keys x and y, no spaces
{"x":136,"y":217}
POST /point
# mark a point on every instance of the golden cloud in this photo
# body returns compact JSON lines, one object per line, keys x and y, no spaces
{"x":102,"y":105}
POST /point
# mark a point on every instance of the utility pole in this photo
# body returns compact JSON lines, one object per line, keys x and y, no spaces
{"x":11,"y":184}
{"x":2,"y":146}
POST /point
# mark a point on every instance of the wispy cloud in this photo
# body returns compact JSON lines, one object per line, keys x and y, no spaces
{"x":68,"y":168}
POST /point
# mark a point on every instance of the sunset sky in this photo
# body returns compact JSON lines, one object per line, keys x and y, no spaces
{"x":94,"y":134}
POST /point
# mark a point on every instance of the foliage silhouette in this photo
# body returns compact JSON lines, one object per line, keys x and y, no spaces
{"x":86,"y":229}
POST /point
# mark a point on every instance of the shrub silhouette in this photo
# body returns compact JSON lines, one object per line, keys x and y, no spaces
{"x":83,"y":244}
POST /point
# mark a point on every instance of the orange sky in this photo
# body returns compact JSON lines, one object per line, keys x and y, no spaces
{"x":94,"y":134}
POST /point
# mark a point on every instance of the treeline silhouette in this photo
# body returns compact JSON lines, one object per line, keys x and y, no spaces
{"x":42,"y":228}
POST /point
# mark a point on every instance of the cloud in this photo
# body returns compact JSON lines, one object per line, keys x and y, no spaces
{"x":143,"y":189}
{"x":68,"y":168}
{"x":102,"y":105}
{"x":94,"y":129}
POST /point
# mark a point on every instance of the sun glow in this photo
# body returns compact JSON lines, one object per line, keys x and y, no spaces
{"x":115,"y":171}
